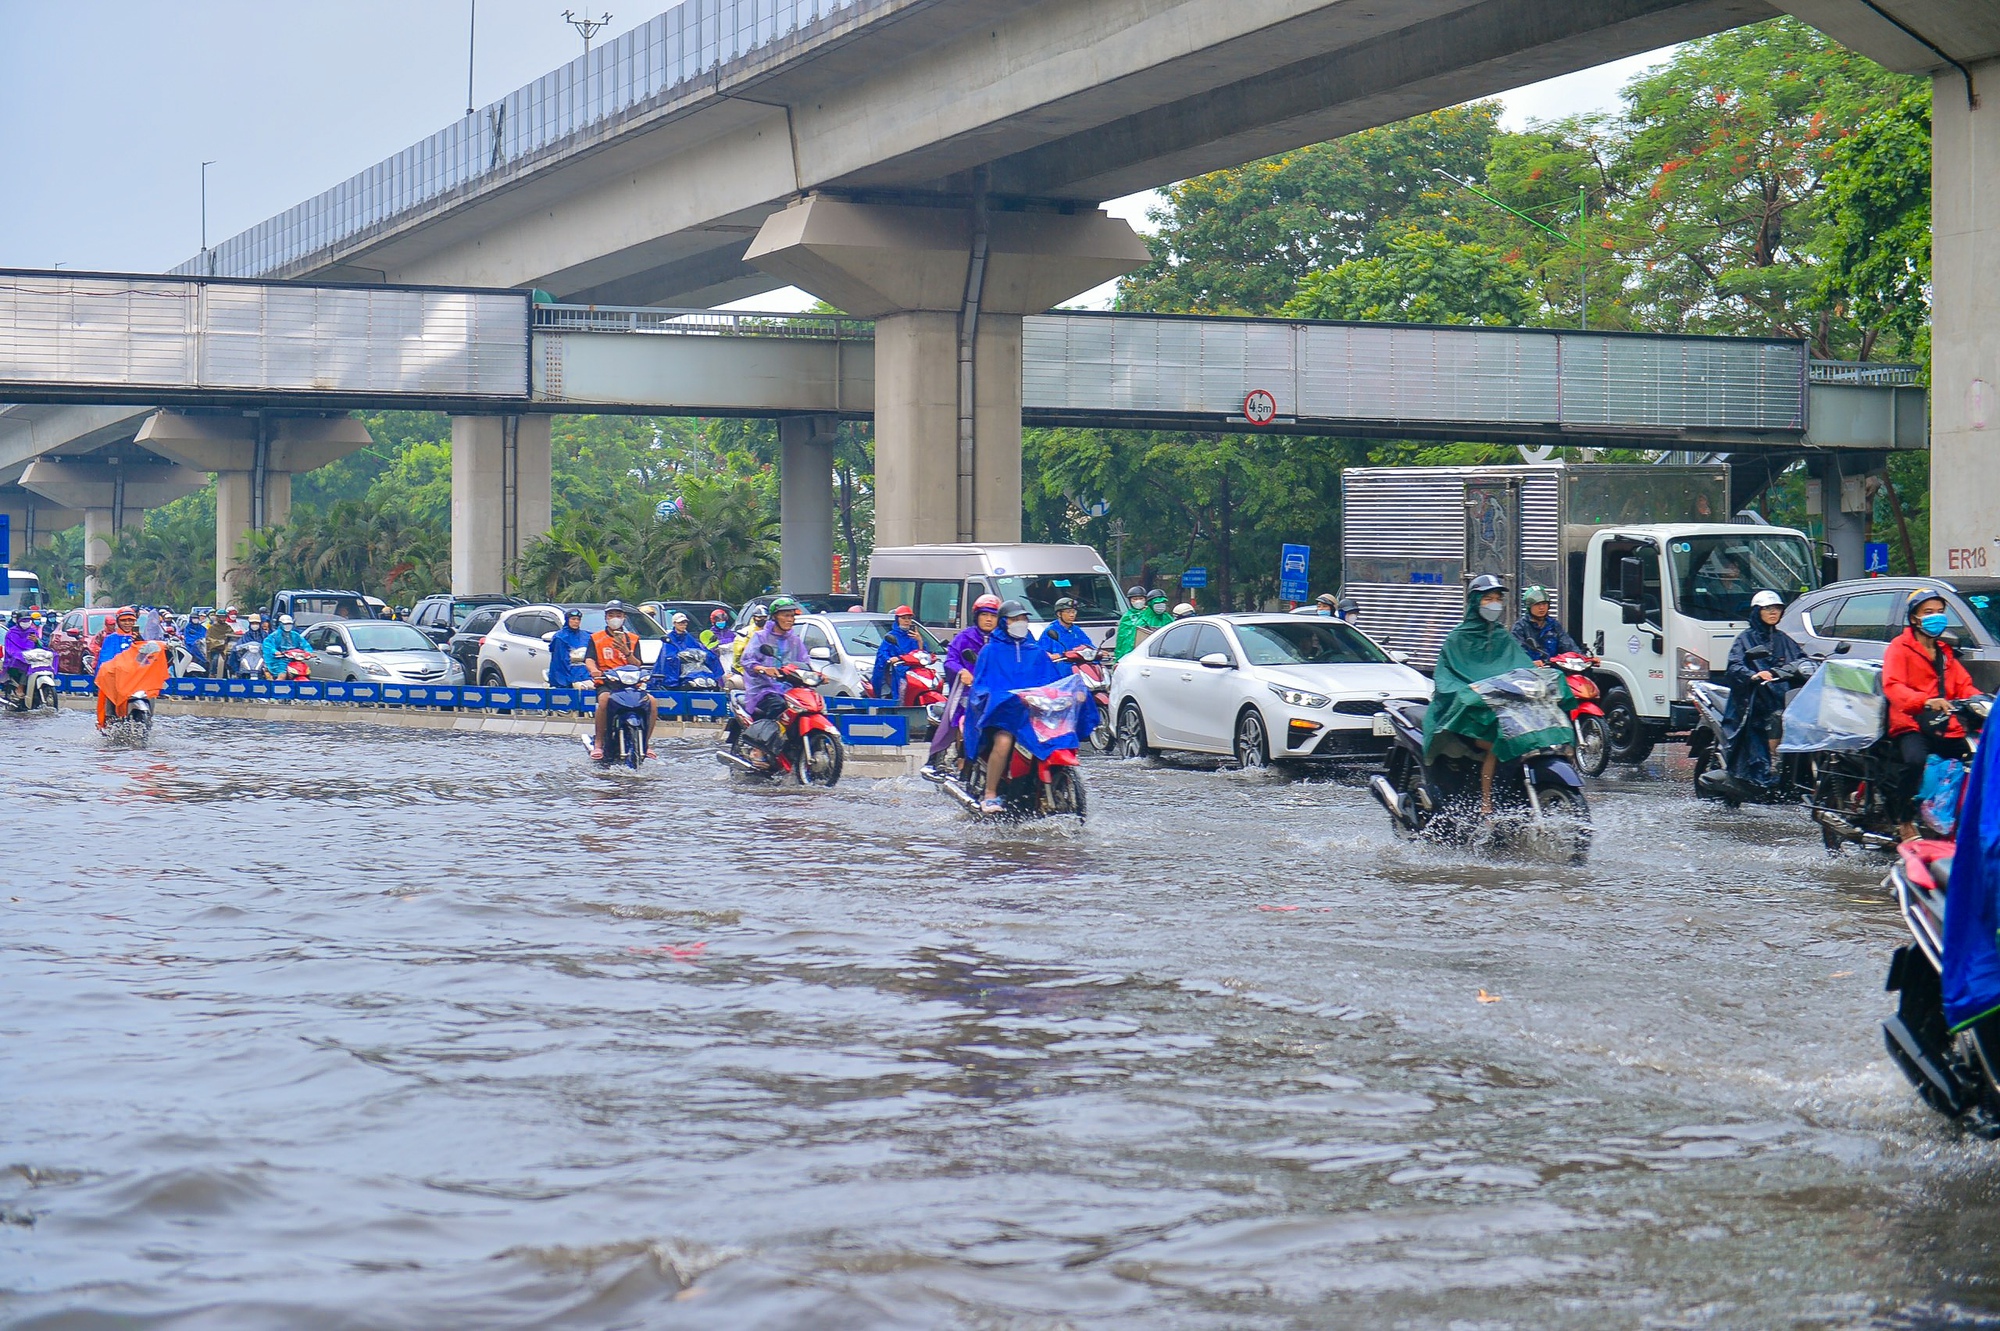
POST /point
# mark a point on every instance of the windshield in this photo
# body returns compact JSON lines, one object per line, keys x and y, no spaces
{"x":23,"y":592}
{"x":1306,"y":643}
{"x":387,"y":636}
{"x":636,"y":621}
{"x":312,"y":609}
{"x":1987,"y":607}
{"x":1096,"y":596}
{"x":862,"y":636}
{"x":1715,"y":576}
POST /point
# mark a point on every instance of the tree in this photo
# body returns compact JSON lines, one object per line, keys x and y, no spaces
{"x":1877,"y":240}
{"x":1421,"y":277}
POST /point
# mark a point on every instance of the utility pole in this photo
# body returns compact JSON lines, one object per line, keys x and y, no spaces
{"x":586,"y":26}
{"x":204,"y":217}
{"x":1582,"y":249}
{"x":471,"y":38}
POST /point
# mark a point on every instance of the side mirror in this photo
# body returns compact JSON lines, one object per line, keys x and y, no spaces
{"x":334,"y":649}
{"x":1217,"y":661}
{"x":1631,"y":582}
{"x":548,"y":637}
{"x":1843,"y":649}
{"x":1630,"y":612}
{"x":821,"y":653}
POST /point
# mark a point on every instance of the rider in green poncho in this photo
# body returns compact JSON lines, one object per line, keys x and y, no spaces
{"x":1149,"y":612}
{"x":1481,"y":647}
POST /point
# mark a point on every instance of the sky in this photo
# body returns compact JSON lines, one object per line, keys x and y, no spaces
{"x":109,"y":107}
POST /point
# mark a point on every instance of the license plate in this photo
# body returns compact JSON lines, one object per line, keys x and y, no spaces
{"x":1382,"y":726}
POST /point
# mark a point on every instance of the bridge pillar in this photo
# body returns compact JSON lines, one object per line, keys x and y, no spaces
{"x":112,"y":495}
{"x":1965,"y":324}
{"x":501,"y":491}
{"x":1844,"y":503}
{"x":805,"y":503}
{"x":32,"y":524}
{"x":254,"y":458}
{"x":927,"y":276}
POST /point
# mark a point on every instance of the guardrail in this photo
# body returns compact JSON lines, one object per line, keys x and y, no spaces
{"x":1866,"y":373}
{"x":678,"y":322}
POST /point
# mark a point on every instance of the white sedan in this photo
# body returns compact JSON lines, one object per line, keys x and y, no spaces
{"x":1261,"y":688}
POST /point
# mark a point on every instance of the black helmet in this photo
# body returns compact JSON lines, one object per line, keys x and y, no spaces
{"x":1013,"y":609}
{"x":1156,"y":595}
{"x":1065,"y":603}
{"x":1135,"y":593}
{"x":617,"y":607}
{"x":1349,"y":606}
{"x":1483,"y":584}
{"x":1917,"y":597}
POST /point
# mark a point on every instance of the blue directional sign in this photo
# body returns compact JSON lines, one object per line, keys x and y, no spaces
{"x":6,"y":544}
{"x":1294,"y":565}
{"x":1194,"y":577}
{"x":860,"y":729}
{"x":1874,"y":557}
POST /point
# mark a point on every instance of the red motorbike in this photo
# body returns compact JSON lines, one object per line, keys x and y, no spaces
{"x":802,"y":742}
{"x":294,"y":663}
{"x":1092,"y":664}
{"x":923,"y":678}
{"x":1593,"y":741}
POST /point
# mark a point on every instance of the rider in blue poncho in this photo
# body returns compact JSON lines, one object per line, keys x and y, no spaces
{"x":566,"y":668}
{"x":1064,"y":635}
{"x":995,"y":716}
{"x":1971,"y":973}
{"x":901,"y":639}
{"x":671,"y":672}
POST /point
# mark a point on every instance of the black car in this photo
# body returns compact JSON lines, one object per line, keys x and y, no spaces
{"x":463,"y":645}
{"x":442,"y":616}
{"x":1865,"y":613}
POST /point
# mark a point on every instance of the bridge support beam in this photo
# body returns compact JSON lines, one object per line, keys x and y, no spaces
{"x":947,"y":287}
{"x":1965,"y":323}
{"x":1842,"y":481}
{"x":112,"y":495}
{"x":501,"y":490}
{"x":32,"y":524}
{"x":254,"y":458}
{"x":805,"y":503}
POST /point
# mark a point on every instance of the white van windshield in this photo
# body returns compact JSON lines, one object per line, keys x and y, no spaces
{"x":23,"y":591}
{"x":1096,"y":596}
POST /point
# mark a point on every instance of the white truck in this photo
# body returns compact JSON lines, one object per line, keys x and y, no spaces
{"x":1640,"y":562}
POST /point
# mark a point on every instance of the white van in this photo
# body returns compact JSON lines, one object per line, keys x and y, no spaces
{"x":939,"y":581}
{"x":24,"y":591}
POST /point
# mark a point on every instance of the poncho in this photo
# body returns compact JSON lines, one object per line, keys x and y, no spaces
{"x":1473,"y":651}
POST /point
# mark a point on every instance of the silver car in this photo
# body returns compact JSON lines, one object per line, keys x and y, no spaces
{"x":377,"y":651}
{"x":842,"y":647}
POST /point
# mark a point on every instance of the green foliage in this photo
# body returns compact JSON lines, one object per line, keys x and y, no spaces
{"x":169,"y":560}
{"x":721,"y":545}
{"x":1421,"y":277}
{"x":381,"y":550}
{"x":61,"y":565}
{"x":1877,"y":244}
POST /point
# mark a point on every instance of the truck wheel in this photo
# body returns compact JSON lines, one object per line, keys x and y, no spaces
{"x":1629,"y":741}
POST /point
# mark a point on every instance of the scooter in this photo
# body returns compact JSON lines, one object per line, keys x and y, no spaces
{"x":1538,"y":796}
{"x":182,"y":663}
{"x":625,"y":718}
{"x":294,"y":664}
{"x":1850,"y":795}
{"x":921,"y":678}
{"x":38,"y":689}
{"x":702,"y":681}
{"x":244,"y":660}
{"x":801,"y":742}
{"x":1707,"y":744}
{"x":1032,"y":787}
{"x":1593,"y":741}
{"x":1953,"y":1074}
{"x":133,"y":725}
{"x":1092,"y":666}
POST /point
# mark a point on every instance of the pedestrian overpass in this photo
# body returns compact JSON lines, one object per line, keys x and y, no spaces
{"x":255,"y":380}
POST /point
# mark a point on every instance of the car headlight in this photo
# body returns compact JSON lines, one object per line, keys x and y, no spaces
{"x":1299,"y":697}
{"x":381,"y":672}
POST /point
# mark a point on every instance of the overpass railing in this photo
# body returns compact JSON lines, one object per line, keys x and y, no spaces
{"x":657,"y":64}
{"x":699,"y":323}
{"x":1864,"y":373}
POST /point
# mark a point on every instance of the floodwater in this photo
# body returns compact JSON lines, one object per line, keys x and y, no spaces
{"x":316,"y":1027}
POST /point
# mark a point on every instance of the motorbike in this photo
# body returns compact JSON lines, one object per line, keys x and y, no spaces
{"x":1707,"y":744}
{"x":1032,"y":787}
{"x":701,"y":681}
{"x":294,"y":663}
{"x":1537,"y":797}
{"x":1092,"y":666}
{"x":132,"y":724}
{"x":1953,"y":1074}
{"x":922,"y":679}
{"x":1850,"y":793}
{"x":802,"y":742}
{"x":1593,"y":741}
{"x":38,"y":689}
{"x":625,"y":719}
{"x":182,"y":663}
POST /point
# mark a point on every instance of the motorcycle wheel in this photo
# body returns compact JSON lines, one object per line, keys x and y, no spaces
{"x":1131,"y":731}
{"x":634,"y":744}
{"x":1593,"y":745}
{"x":821,"y":759}
{"x":1102,"y":738}
{"x":1066,"y":794}
{"x":1570,"y":806}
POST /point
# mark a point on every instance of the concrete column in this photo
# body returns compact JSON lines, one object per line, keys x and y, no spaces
{"x":912,"y":269}
{"x":110,"y":494}
{"x":805,"y":503}
{"x":98,"y":526}
{"x":1965,"y":325}
{"x":501,"y":497}
{"x":1841,"y":479}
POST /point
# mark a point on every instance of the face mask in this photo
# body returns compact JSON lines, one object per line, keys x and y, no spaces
{"x":1934,"y":624}
{"x":1489,"y":611}
{"x":1017,"y":629}
{"x":1324,"y":613}
{"x":614,"y":624}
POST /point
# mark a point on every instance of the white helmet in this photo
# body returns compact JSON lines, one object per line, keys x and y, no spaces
{"x":1764,"y":598}
{"x":1183,"y":610}
{"x":286,"y":620}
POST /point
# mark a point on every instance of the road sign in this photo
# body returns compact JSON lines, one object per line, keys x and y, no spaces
{"x":1874,"y":557}
{"x":6,"y":543}
{"x":1097,"y":508}
{"x":1294,"y":564}
{"x":1259,"y":407}
{"x":1194,"y":577}
{"x":884,"y":731}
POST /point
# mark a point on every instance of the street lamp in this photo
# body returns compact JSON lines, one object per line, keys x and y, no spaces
{"x":586,"y":26}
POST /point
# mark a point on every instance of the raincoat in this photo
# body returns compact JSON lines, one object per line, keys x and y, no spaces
{"x":1910,"y":679}
{"x":110,"y":643}
{"x":1971,"y":975}
{"x":887,"y":680}
{"x":138,"y":667}
{"x":1137,"y":618}
{"x":719,"y":640}
{"x":195,"y":638}
{"x":20,"y":641}
{"x":1007,"y":664}
{"x":282,"y":640}
{"x":1544,"y":640}
{"x":1746,"y":723}
{"x":784,"y":649}
{"x":565,"y":671}
{"x":1473,"y":651}
{"x":1058,"y":638}
{"x":963,"y":653}
{"x":669,"y":671}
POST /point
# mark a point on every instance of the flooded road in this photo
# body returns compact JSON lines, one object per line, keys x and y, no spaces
{"x":316,"y":1027}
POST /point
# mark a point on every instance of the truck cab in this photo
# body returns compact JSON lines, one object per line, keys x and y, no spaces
{"x":1661,"y":605}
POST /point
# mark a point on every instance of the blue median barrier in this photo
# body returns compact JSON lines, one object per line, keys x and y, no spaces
{"x":861,"y":729}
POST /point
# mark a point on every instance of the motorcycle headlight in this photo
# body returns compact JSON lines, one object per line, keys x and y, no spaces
{"x":1299,"y":697}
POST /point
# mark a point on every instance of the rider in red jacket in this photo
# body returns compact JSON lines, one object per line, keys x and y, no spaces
{"x":1920,"y":675}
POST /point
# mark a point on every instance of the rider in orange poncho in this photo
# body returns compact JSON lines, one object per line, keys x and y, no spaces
{"x":140,"y":668}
